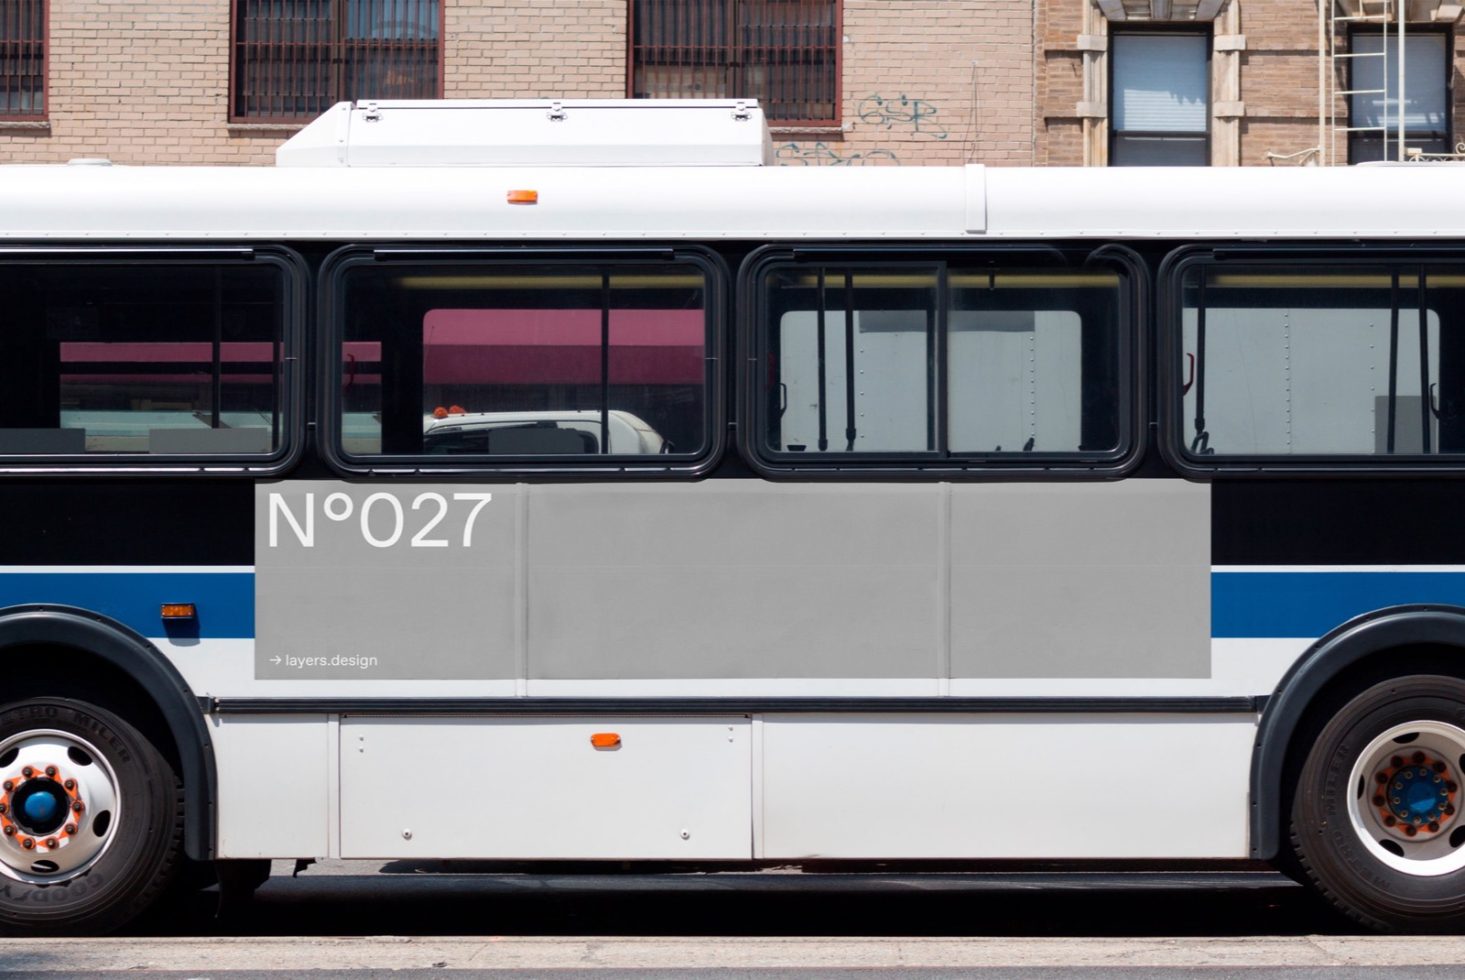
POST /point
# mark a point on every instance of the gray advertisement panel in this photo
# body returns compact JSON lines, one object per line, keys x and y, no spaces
{"x":386,"y":582}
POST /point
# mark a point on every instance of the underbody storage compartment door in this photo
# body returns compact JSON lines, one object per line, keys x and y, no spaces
{"x":537,"y":788}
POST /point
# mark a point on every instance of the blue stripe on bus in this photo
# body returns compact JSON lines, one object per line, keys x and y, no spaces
{"x":224,"y":600}
{"x":1309,"y":604}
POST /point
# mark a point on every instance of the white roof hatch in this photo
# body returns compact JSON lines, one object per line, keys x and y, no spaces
{"x":541,"y":132}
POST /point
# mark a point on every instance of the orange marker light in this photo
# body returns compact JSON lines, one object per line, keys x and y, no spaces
{"x":605,"y":740}
{"x":523,"y":197}
{"x":179,"y":610}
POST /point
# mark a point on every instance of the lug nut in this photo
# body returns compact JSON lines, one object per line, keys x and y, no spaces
{"x":70,"y":784}
{"x":1378,"y":801}
{"x":76,"y":806}
{"x":27,"y":772}
{"x":1389,"y":821}
{"x":71,"y":828}
{"x":1433,"y":826}
{"x":1380,"y":777}
{"x":51,"y":843}
{"x":29,"y":843}
{"x":1410,"y":829}
{"x":9,"y":831}
{"x":1396,"y":762}
{"x":4,"y":808}
{"x":9,"y":785}
{"x":1438,"y":767}
{"x":51,"y":771}
{"x":1418,"y":758}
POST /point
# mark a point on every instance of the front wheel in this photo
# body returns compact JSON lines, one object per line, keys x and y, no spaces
{"x":1376,"y":822}
{"x":90,"y":819}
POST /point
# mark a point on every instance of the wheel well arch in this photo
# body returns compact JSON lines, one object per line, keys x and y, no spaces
{"x":130,"y":676}
{"x":1356,"y":655}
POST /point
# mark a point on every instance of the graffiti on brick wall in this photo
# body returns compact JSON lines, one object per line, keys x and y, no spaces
{"x":906,"y":114}
{"x":823,"y":155}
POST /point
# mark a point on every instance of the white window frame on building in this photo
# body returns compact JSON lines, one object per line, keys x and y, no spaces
{"x":1428,"y":68}
{"x":1160,"y":95}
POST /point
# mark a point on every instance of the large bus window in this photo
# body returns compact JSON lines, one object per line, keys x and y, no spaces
{"x":494,"y":361}
{"x":940,"y":362}
{"x":164,"y":358}
{"x":1314,"y":360}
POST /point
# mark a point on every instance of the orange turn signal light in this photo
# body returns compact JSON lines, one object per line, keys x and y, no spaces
{"x":523,"y":197}
{"x":179,"y":610}
{"x":606,"y":740}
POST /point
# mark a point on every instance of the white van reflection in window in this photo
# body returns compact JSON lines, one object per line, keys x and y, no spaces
{"x":539,"y":434}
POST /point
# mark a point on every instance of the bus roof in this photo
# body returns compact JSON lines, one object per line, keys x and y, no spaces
{"x":712,"y":203}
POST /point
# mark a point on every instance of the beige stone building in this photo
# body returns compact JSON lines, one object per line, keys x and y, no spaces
{"x":845,"y":82}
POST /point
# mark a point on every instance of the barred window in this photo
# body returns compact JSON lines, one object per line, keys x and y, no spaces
{"x":22,"y":59}
{"x":784,"y":53}
{"x":293,"y":59}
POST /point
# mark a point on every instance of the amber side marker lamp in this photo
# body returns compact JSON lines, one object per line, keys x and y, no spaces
{"x":523,"y":197}
{"x":606,"y":740}
{"x":179,"y":610}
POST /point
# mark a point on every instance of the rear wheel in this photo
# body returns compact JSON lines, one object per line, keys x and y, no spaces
{"x":1376,"y":822}
{"x":90,"y":819}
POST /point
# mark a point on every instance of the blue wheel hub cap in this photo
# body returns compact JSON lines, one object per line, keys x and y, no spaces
{"x":41,"y":808}
{"x":1417,"y":794}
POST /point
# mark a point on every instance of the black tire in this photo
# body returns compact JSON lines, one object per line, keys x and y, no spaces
{"x":1328,"y":849}
{"x":145,"y":851}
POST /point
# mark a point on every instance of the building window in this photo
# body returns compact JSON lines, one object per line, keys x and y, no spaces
{"x":293,"y":59}
{"x":1373,"y":108}
{"x":1160,"y":99}
{"x":22,"y":59}
{"x":784,"y":53}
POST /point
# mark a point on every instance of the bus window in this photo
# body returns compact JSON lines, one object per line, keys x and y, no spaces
{"x":941,"y":361}
{"x":482,"y":361}
{"x":1316,"y":360}
{"x":855,"y":356}
{"x":1033,"y":359}
{"x":165,"y":359}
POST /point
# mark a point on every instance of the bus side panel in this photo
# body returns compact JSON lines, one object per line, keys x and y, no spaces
{"x":1005,"y":786}
{"x":529,"y":788}
{"x":275,"y":785}
{"x":1053,"y":580}
{"x":734,"y":579}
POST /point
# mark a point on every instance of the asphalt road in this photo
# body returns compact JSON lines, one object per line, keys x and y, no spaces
{"x":412,"y":922}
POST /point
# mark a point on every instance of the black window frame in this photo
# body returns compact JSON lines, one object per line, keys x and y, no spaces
{"x":336,"y":49}
{"x":1169,"y":312}
{"x":37,"y":39}
{"x":717,"y":46}
{"x":1445,"y":137}
{"x":1131,"y":340}
{"x":329,"y":367}
{"x":296,"y":283}
{"x":1206,"y":31}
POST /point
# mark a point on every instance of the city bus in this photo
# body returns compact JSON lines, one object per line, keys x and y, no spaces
{"x":545,"y":481}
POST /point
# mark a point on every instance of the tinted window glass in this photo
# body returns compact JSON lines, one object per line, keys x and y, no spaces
{"x":169,"y":359}
{"x":872,"y":360}
{"x":495,"y":361}
{"x":1321,"y":360}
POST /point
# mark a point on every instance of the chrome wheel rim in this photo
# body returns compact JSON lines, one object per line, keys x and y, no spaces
{"x":59,"y":804}
{"x":1404,"y":798}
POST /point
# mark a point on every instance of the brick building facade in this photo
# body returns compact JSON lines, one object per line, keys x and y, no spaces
{"x":1001,"y":82}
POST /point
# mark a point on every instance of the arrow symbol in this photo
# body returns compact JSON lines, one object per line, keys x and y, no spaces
{"x":274,"y":660}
